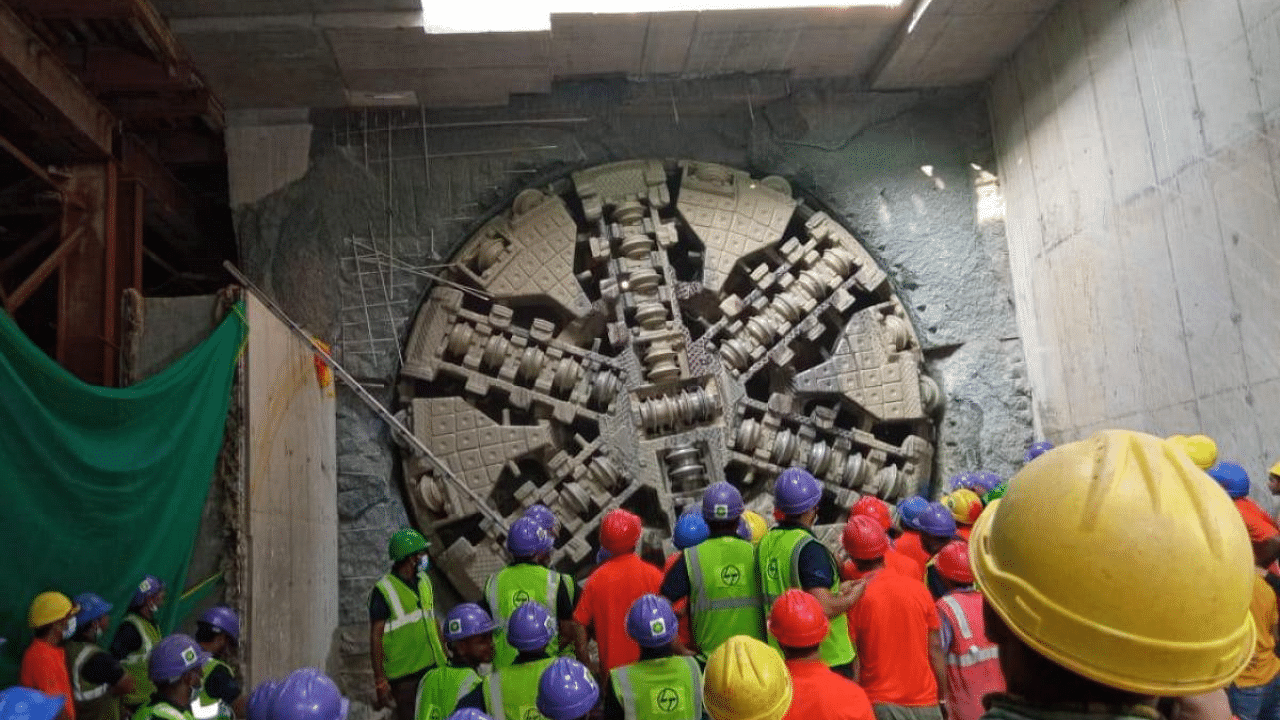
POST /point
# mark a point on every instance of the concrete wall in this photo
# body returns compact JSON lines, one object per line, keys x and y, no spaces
{"x":292,"y":603}
{"x":1137,"y":146}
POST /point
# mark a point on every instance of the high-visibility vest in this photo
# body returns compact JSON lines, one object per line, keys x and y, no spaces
{"x":135,"y":663}
{"x":161,"y":710}
{"x":94,"y":701}
{"x":668,"y":688}
{"x":512,"y":692}
{"x":724,"y":591}
{"x":410,"y":639}
{"x":511,"y":587}
{"x":973,"y":661}
{"x":205,"y":706}
{"x":441,"y":689}
{"x":779,"y":560}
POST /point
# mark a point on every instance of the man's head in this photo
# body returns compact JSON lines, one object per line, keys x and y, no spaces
{"x":721,"y":502}
{"x":796,"y":494}
{"x":52,"y":617}
{"x":406,"y":549}
{"x":469,"y":631}
{"x":218,"y":629}
{"x":148,"y":596}
{"x":92,"y":618}
{"x":1273,"y":479}
{"x":937,"y":527}
{"x":176,"y":667}
{"x":651,"y":621}
{"x":746,"y":679}
{"x":529,"y":541}
{"x":865,"y":542}
{"x":566,"y":690}
{"x":309,"y":694}
{"x":797,"y":621}
{"x":909,"y":510}
{"x":953,"y":565}
{"x":620,"y":532}
{"x":530,"y":628}
{"x":690,"y":530}
{"x":1117,"y":560}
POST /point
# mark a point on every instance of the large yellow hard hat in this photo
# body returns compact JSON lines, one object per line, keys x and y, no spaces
{"x":746,"y":679}
{"x":49,"y":607}
{"x":1202,"y":450}
{"x":1275,"y":469}
{"x":1118,"y":559}
{"x":759,"y":527}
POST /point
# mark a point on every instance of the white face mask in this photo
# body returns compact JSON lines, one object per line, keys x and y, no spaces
{"x":70,"y":629}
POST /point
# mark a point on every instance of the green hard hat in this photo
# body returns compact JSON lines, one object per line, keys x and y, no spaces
{"x":405,"y":543}
{"x":995,"y":493}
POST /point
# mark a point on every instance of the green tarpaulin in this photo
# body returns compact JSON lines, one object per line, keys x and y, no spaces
{"x":103,"y":485}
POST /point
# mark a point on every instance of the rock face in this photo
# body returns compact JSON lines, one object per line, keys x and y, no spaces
{"x":352,"y":250}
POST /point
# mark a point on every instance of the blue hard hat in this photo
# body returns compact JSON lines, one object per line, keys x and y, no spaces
{"x":937,"y":520}
{"x":1231,"y":477}
{"x":721,"y":501}
{"x":796,"y":491}
{"x":1036,"y":450}
{"x":651,"y":622}
{"x":527,"y":538}
{"x":909,"y":509}
{"x":309,"y":694}
{"x":261,"y":699}
{"x":530,"y":627}
{"x":566,"y":690}
{"x":92,"y":607}
{"x":467,"y":620}
{"x":19,"y":703}
{"x":690,"y":530}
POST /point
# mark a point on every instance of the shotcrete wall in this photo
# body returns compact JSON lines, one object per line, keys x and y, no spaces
{"x":348,"y":247}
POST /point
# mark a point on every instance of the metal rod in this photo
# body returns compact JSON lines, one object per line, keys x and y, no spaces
{"x":30,"y":164}
{"x":396,"y":426}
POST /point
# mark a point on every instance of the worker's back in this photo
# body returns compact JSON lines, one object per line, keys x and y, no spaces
{"x":890,"y":624}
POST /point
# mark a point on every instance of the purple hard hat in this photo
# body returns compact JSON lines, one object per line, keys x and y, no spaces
{"x":1037,"y":449}
{"x":173,"y":656}
{"x":528,"y":538}
{"x":651,"y":621}
{"x":261,"y":699}
{"x":909,"y":509}
{"x":566,"y":690}
{"x":468,"y":714}
{"x":91,"y":607}
{"x":149,"y":586}
{"x":544,"y":516}
{"x":467,"y":620}
{"x":744,"y":529}
{"x":986,"y":481}
{"x":937,"y":520}
{"x":721,"y":501}
{"x":19,"y":703}
{"x":690,"y":530}
{"x":530,"y":627}
{"x":309,"y":694}
{"x":1231,"y":477}
{"x":224,"y":619}
{"x":960,"y":480}
{"x":796,"y":491}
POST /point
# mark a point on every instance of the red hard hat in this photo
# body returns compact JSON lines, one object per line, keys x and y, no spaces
{"x":953,"y":562}
{"x":620,"y":531}
{"x":797,"y":620}
{"x":874,"y":508}
{"x":864,"y":539}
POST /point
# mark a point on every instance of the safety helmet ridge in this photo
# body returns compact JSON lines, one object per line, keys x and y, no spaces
{"x":721,"y":501}
{"x":467,"y":620}
{"x":404,"y":543}
{"x":566,"y":690}
{"x":746,"y":679}
{"x":796,"y":491}
{"x":797,"y":620}
{"x":530,"y":627}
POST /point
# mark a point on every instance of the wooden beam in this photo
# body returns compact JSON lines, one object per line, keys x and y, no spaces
{"x":42,"y":273}
{"x":106,"y":69}
{"x":169,"y":201}
{"x":198,"y":102}
{"x":88,"y":300}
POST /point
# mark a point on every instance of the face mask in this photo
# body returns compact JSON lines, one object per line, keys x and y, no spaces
{"x":424,"y":563}
{"x":70,"y":629}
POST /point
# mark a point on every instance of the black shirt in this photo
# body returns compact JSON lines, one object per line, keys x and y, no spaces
{"x":222,"y":685}
{"x":126,"y":642}
{"x":101,"y":669}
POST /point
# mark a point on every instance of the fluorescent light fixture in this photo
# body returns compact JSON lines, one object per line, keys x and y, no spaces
{"x":478,"y":16}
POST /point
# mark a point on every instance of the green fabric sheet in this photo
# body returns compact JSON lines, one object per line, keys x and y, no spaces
{"x":103,"y":485}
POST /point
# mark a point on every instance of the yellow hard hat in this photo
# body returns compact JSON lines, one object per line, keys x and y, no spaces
{"x":1116,"y":558}
{"x":1275,"y":469}
{"x":1202,"y":450}
{"x":964,"y":504}
{"x":759,"y":527}
{"x":49,"y":607}
{"x":746,"y":679}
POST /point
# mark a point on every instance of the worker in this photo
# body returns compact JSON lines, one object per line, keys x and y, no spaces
{"x":566,"y":691}
{"x":986,"y":482}
{"x":52,"y":619}
{"x":908,"y":543}
{"x":965,"y":506}
{"x":404,"y":639}
{"x":136,"y":635}
{"x":468,"y":634}
{"x":510,"y":692}
{"x":613,"y":587}
{"x":790,"y":556}
{"x":309,"y":694}
{"x":757,"y":524}
{"x":895,"y":626}
{"x":220,"y":696}
{"x":1080,"y":625}
{"x":796,"y":620}
{"x":690,"y":530}
{"x":262,"y":698}
{"x":968,"y":663}
{"x":1036,"y":450}
{"x":719,"y":576}
{"x":746,"y":679}
{"x":854,"y":544}
{"x":174,"y":667}
{"x":529,"y":577}
{"x":97,"y":679}
{"x":1262,"y":528}
{"x":20,"y":703}
{"x":1202,"y":450}
{"x":877,"y":511}
{"x":1273,"y":479}
{"x":661,"y":685}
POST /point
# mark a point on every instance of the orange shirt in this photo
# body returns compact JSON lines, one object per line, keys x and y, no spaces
{"x":44,"y":668}
{"x":606,"y":599}
{"x":1260,"y":525}
{"x":890,"y":625}
{"x":820,"y":694}
{"x":894,"y":561}
{"x":909,"y":544}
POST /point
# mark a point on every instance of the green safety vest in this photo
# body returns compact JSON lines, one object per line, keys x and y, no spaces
{"x":161,"y":710}
{"x":512,"y":692}
{"x":509,"y":588}
{"x":205,"y":707}
{"x":94,"y":701}
{"x":668,"y":688}
{"x":724,"y":592}
{"x":410,"y":638}
{"x":441,"y":689}
{"x":779,"y":562}
{"x":135,"y":663}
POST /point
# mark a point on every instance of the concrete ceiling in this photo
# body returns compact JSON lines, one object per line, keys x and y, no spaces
{"x":331,"y":53}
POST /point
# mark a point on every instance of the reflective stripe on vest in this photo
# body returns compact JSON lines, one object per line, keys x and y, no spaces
{"x":410,"y":640}
{"x":135,"y":663}
{"x":205,"y":706}
{"x":662,"y":685}
{"x":724,"y":592}
{"x":507,"y":589}
{"x":80,"y":690}
{"x":975,"y":654}
{"x":512,"y":692}
{"x":160,"y":710}
{"x":785,"y":545}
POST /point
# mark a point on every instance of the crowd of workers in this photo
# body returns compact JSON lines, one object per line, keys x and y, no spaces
{"x":1109,"y":578}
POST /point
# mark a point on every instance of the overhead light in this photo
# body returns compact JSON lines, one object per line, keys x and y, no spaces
{"x":479,"y":16}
